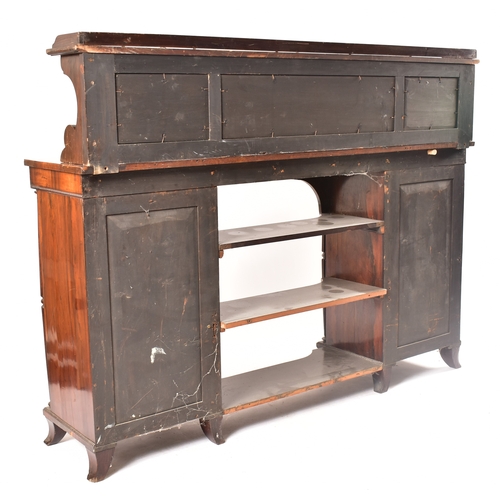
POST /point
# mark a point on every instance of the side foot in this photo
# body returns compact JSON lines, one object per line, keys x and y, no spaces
{"x":55,"y":434}
{"x":450,"y":355}
{"x":99,"y":464}
{"x":382,"y":379}
{"x":212,"y":428}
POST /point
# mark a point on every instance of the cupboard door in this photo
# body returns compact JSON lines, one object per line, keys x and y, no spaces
{"x":424,"y":219}
{"x":162,"y":262}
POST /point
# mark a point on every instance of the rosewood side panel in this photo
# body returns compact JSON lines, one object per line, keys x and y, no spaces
{"x":355,"y":256}
{"x":63,"y":279}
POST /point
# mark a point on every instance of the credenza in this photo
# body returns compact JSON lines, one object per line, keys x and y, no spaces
{"x":129,"y":241}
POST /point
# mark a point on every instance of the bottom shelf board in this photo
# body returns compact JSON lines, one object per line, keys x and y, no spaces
{"x":328,"y":293}
{"x":324,"y":366}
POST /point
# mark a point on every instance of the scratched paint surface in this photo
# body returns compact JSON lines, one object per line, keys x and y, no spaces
{"x":153,"y":257}
{"x":425,"y":260}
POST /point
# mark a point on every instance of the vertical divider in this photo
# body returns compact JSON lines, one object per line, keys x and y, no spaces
{"x":215,"y":107}
{"x":399,"y":104}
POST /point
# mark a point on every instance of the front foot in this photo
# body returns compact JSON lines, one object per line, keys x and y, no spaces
{"x":213,"y":429}
{"x":450,"y":355}
{"x":99,"y":464}
{"x":382,"y":379}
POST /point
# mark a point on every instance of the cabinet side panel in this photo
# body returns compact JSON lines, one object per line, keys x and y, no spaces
{"x":357,"y":327}
{"x":356,"y":256}
{"x":63,"y":288}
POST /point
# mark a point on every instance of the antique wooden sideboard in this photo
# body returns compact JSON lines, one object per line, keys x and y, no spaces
{"x":128,"y":227}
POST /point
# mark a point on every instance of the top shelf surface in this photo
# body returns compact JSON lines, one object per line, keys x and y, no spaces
{"x":134,"y":43}
{"x":282,"y":231}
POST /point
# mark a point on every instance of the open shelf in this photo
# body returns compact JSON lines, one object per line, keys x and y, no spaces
{"x":268,"y":233}
{"x":324,"y":366}
{"x":330,"y":292}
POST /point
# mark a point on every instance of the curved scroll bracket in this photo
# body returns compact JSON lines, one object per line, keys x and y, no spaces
{"x":74,"y":150}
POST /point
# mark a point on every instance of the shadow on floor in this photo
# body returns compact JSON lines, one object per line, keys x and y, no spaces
{"x":134,"y":449}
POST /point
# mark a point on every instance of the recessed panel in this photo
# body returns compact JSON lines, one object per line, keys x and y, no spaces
{"x":424,"y":260}
{"x":161,"y":108}
{"x":431,"y":103}
{"x":284,"y":105}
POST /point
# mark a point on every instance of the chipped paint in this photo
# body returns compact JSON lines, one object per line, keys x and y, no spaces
{"x":155,"y":351}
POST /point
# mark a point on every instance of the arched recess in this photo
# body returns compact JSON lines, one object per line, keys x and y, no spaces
{"x":273,"y":266}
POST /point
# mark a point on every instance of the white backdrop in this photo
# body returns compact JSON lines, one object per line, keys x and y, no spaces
{"x":433,"y":434}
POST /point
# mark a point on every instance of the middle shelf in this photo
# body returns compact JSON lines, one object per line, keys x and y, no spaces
{"x":330,"y":292}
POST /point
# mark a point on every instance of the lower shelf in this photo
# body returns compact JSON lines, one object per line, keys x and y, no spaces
{"x":324,"y":366}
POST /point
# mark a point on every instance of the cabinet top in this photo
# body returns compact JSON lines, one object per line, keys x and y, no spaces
{"x":126,"y":43}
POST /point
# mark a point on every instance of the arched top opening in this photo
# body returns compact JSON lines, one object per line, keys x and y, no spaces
{"x":266,"y":202}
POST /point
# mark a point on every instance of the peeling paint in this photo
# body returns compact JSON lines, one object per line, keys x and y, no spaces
{"x":155,"y":351}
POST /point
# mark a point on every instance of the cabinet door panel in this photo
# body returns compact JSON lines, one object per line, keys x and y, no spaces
{"x":154,"y":291}
{"x":425,"y":258}
{"x":424,"y":247}
{"x":156,"y":361}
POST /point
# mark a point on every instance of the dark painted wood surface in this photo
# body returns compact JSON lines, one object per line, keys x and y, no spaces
{"x":154,"y":259}
{"x":431,"y":103}
{"x":147,"y":43}
{"x":141,"y":107}
{"x":161,"y":107}
{"x":424,"y":219}
{"x":282,"y":105}
{"x":155,"y":304}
